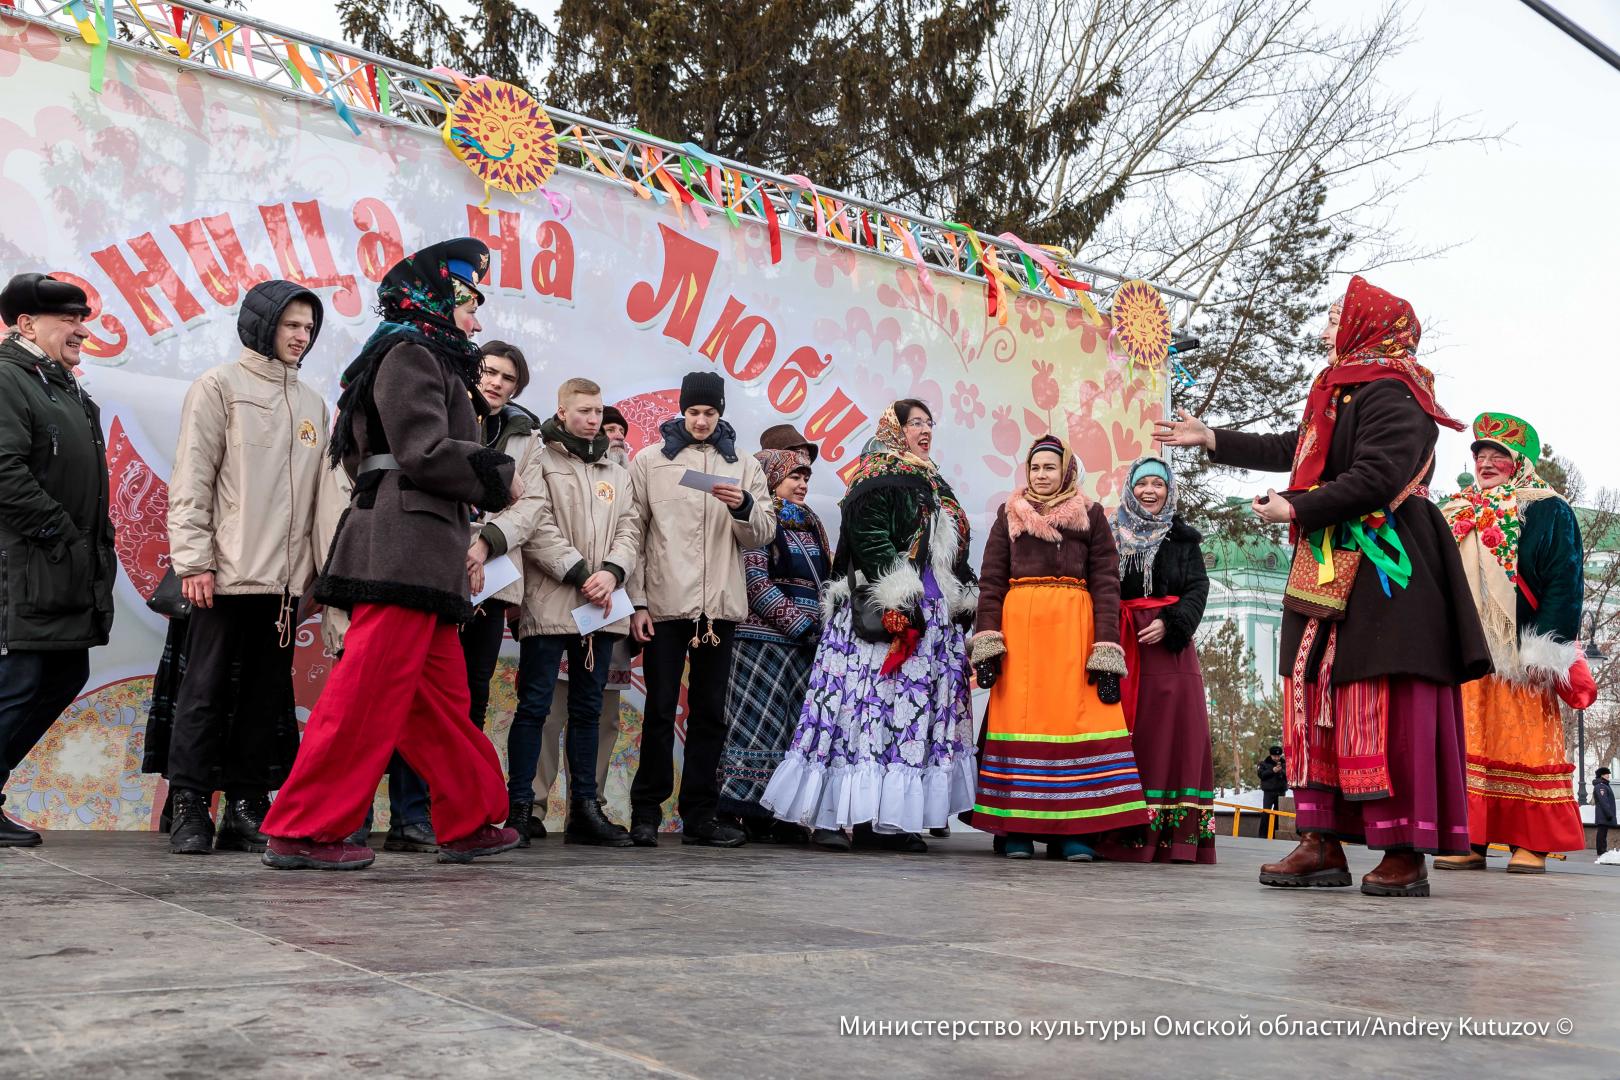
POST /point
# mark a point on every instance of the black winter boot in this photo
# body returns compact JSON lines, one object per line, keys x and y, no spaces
{"x":193,"y":829}
{"x":586,"y":825}
{"x":240,"y":825}
{"x":517,"y":819}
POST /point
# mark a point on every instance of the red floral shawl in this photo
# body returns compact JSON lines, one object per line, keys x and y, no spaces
{"x":1378,"y":333}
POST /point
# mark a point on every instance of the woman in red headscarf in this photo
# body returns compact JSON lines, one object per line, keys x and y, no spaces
{"x":1379,"y":628}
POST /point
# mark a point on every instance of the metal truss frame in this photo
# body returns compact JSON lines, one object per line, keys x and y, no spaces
{"x":243,"y":48}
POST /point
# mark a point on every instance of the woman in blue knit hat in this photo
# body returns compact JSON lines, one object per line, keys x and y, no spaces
{"x":1163,"y":586}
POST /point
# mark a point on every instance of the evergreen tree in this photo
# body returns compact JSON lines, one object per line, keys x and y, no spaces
{"x":880,"y":98}
{"x":1260,"y":347}
{"x":1243,"y":723}
{"x":499,"y":38}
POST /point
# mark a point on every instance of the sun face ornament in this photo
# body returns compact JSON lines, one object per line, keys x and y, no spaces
{"x":1141,"y":327}
{"x":502,"y":134}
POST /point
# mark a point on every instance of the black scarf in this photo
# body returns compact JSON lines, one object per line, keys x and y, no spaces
{"x":589,"y":451}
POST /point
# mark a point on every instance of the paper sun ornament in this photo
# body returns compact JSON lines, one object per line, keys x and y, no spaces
{"x":503,"y":135}
{"x":1141,"y":325}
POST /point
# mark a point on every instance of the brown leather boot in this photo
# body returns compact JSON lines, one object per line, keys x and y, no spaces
{"x":1317,"y":861}
{"x":1402,"y":873}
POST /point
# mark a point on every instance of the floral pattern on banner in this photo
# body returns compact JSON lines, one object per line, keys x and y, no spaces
{"x":160,"y":149}
{"x":139,"y":510}
{"x":86,"y":772}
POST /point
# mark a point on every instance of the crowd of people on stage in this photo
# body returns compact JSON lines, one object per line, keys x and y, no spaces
{"x":828,"y":686}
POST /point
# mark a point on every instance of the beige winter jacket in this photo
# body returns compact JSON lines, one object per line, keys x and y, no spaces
{"x":691,"y":553}
{"x":508,"y":530}
{"x":242,"y":493}
{"x":588,"y":520}
{"x":331,"y":499}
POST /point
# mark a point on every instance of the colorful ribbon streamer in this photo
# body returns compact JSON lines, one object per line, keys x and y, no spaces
{"x":343,"y":110}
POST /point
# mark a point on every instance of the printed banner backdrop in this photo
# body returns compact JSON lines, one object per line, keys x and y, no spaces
{"x":172,"y":192}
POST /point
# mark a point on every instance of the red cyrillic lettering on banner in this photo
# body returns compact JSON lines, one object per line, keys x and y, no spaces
{"x":688,"y":269}
{"x":380,"y":246}
{"x":732,"y":332}
{"x":136,"y":285}
{"x":553,"y":268}
{"x":229,"y":274}
{"x":505,"y":244}
{"x":790,"y":386}
{"x":346,"y":300}
{"x":836,"y":420}
{"x":99,"y":348}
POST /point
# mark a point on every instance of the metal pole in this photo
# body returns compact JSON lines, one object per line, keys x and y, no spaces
{"x":1574,"y":30}
{"x":1580,"y":755}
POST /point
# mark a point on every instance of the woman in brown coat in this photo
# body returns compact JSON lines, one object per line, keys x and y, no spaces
{"x":1373,"y":724}
{"x":1057,"y":762}
{"x":408,"y":433}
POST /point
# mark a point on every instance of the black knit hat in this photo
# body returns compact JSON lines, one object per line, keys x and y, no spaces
{"x":610,"y":415}
{"x":34,"y":293}
{"x":703,"y":388}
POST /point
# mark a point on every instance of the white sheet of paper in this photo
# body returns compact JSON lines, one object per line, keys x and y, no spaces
{"x":498,"y":574}
{"x":589,"y":617}
{"x":706,"y":481}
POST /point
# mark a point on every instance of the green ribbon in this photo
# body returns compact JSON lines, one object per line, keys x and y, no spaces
{"x":1381,"y":546}
{"x":1378,"y":546}
{"x":98,"y":52}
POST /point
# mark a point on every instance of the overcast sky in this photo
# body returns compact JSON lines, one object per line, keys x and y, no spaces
{"x":1512,"y":314}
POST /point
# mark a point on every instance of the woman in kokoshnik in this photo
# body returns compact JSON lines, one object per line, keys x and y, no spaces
{"x":885,"y":739}
{"x":1055,"y":762}
{"x":1521,"y":549}
{"x":1372,"y":701}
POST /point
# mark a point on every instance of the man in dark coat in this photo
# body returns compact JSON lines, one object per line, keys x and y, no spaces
{"x":1273,"y":778}
{"x":56,"y":539}
{"x":408,"y":433}
{"x":1603,"y":800}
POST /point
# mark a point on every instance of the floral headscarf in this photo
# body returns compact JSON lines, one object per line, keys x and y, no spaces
{"x":1486,"y":523}
{"x":417,"y":300}
{"x":781,"y":464}
{"x":1068,"y":489}
{"x":1138,"y":533}
{"x":1378,"y":333}
{"x":891,"y":436}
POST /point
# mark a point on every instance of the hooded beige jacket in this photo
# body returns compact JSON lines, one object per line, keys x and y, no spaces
{"x":246,"y":473}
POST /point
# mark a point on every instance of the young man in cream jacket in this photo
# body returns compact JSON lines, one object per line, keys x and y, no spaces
{"x":585,"y":543}
{"x":241,"y":510}
{"x":690,"y":595}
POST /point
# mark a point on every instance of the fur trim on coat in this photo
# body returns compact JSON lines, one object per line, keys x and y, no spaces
{"x":1022,"y":517}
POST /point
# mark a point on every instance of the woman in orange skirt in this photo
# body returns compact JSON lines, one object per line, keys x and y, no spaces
{"x":1521,"y":551}
{"x":1057,"y":762}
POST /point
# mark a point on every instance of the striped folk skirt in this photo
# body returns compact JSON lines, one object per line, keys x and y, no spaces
{"x":1056,"y":760}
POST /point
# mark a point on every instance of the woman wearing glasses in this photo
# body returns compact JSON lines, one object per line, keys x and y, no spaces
{"x":885,"y":739}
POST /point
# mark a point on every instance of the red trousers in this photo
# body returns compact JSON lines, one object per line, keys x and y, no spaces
{"x":401,"y":685}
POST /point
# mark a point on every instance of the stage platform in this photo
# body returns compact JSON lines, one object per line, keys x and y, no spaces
{"x":119,"y":960}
